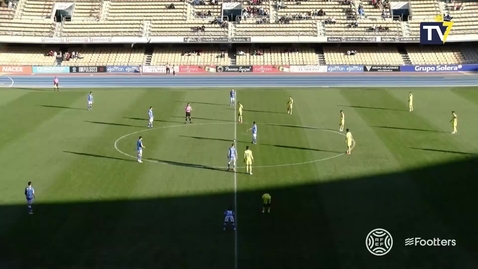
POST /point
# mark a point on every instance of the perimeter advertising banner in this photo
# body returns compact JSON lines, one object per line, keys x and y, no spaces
{"x":440,"y":68}
{"x":308,"y":69}
{"x":196,"y":69}
{"x":88,"y":69}
{"x":50,"y":69}
{"x":16,"y":69}
{"x":270,"y":69}
{"x":344,"y":68}
{"x":154,"y":69}
{"x":234,"y":69}
{"x":381,"y":68}
{"x":123,"y":69}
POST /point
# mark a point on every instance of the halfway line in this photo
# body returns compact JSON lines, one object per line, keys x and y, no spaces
{"x":235,"y":184}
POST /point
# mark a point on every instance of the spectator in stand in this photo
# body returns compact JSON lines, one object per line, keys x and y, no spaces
{"x":351,"y":52}
{"x":330,"y":20}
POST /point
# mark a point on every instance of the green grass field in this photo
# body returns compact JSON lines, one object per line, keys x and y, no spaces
{"x":98,"y":208}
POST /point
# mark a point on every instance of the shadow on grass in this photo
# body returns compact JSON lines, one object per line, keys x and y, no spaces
{"x":188,"y":165}
{"x":202,"y":103}
{"x":302,"y":148}
{"x":375,"y":108}
{"x":320,"y":225}
{"x":212,"y":139}
{"x":98,"y":156}
{"x":407,"y":129}
{"x":446,"y":151}
{"x":112,"y":124}
{"x":199,"y":118}
{"x":156,"y":120}
{"x":62,"y":107}
{"x":264,"y":111}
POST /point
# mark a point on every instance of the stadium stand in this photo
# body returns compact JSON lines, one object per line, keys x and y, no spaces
{"x":107,"y":56}
{"x":464,"y":16}
{"x":276,"y":56}
{"x":422,"y":11}
{"x":6,"y":12}
{"x":370,"y":55}
{"x":87,"y":10}
{"x":14,"y":55}
{"x":442,"y":55}
{"x":189,"y":56}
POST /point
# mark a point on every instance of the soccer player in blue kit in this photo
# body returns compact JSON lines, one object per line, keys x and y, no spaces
{"x":139,"y":148}
{"x":89,"y":101}
{"x":229,"y":218}
{"x":232,"y":94}
{"x":29,"y":195}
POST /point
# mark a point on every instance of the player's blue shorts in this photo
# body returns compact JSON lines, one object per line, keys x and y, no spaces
{"x":29,"y":201}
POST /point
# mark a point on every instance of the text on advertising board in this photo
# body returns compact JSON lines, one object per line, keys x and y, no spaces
{"x":269,"y":69}
{"x":344,"y":68}
{"x":440,"y":68}
{"x":50,"y":69}
{"x":123,"y":69}
{"x":154,"y":69}
{"x":234,"y":68}
{"x":308,"y":69}
{"x":381,"y":68}
{"x":16,"y":69}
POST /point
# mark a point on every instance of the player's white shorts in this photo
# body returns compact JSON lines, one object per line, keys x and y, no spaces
{"x":254,"y":136}
{"x":232,"y":161}
{"x":90,"y":103}
{"x":229,"y":219}
{"x":233,"y":99}
{"x":151,"y":120}
{"x":140,"y":152}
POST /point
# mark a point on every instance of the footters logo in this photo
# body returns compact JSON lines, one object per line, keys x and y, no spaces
{"x":430,"y":242}
{"x":379,"y":242}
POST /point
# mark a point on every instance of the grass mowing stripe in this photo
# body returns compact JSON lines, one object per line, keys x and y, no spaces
{"x":23,"y":114}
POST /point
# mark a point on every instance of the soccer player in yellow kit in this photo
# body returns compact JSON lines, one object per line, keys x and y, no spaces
{"x":239,"y":115}
{"x":342,"y":121}
{"x":266,"y":199}
{"x":349,"y":140}
{"x":454,"y":122}
{"x":290,"y":103}
{"x":410,"y":101}
{"x":248,"y":159}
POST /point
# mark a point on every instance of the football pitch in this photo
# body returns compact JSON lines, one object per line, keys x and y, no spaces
{"x":96,"y":207}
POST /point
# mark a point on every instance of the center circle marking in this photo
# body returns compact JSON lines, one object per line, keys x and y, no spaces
{"x":224,"y":123}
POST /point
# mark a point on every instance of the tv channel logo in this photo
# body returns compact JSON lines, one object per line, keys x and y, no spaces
{"x":435,"y":33}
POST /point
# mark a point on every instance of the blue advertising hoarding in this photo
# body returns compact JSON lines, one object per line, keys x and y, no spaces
{"x":50,"y":69}
{"x":122,"y":69}
{"x":344,"y":68}
{"x":440,"y":68}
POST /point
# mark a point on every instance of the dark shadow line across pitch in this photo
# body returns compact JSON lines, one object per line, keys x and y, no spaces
{"x":98,"y":156}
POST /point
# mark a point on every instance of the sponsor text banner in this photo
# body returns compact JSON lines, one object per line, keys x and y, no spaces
{"x":340,"y":39}
{"x":234,"y":69}
{"x":217,"y":39}
{"x":123,"y":69}
{"x":344,"y":68}
{"x":381,"y":68}
{"x":87,"y":69}
{"x":50,"y":70}
{"x":308,"y":69}
{"x":440,"y":68}
{"x":16,"y":69}
{"x":196,"y":69}
{"x":269,"y":69}
{"x":154,"y":69}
